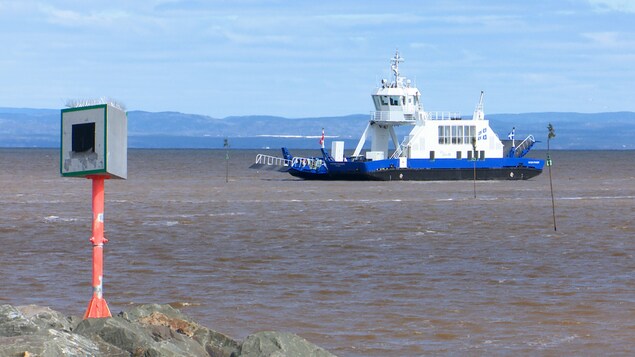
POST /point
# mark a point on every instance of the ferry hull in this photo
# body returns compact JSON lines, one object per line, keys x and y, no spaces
{"x":499,"y":174}
{"x":427,"y":170}
{"x":351,"y":171}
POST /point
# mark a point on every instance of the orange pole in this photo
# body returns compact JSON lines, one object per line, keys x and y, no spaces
{"x":98,"y":307}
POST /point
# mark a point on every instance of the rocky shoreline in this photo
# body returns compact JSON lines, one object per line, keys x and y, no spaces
{"x":145,"y":330}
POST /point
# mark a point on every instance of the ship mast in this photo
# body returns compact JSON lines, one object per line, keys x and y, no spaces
{"x":478,"y":112}
{"x":395,"y":66}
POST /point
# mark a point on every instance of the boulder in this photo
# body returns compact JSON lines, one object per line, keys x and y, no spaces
{"x":139,"y":340}
{"x":280,"y":344}
{"x":215,"y":343}
{"x":145,"y":330}
{"x":39,"y":331}
{"x":53,"y":343}
{"x":14,"y":323}
{"x":46,"y":318}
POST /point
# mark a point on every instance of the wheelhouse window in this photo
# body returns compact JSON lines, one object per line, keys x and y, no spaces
{"x":376,"y":101}
{"x":456,"y":134}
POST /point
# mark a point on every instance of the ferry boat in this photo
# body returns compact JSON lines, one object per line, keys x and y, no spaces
{"x":440,"y":145}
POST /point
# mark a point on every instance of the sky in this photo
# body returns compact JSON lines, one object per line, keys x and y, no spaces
{"x":308,"y":58}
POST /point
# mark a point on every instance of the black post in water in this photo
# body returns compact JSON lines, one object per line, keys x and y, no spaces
{"x":474,"y":158}
{"x":226,"y":146}
{"x":551,"y":135}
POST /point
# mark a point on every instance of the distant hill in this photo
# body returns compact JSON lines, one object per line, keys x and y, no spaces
{"x":23,"y":127}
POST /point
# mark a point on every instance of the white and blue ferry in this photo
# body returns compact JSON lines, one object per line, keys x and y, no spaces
{"x":440,"y":145}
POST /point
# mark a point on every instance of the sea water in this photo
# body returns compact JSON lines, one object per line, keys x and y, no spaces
{"x":360,"y":268}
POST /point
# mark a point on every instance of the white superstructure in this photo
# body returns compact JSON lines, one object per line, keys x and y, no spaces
{"x":435,"y":135}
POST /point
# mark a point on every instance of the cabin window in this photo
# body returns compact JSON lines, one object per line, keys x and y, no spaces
{"x":469,"y":133}
{"x":409,"y":100}
{"x":384,"y":100}
{"x":469,"y":155}
{"x":458,"y":155}
{"x":431,"y":155}
{"x":394,"y":100}
{"x":482,"y":154}
{"x":377,"y":105}
{"x":454,"y":141}
{"x":456,"y":134}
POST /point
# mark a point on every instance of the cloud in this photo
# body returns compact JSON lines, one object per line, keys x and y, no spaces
{"x":257,"y":39}
{"x":352,"y":19}
{"x":423,"y":45}
{"x":614,"y":5}
{"x":72,"y":18}
{"x":603,"y":39}
{"x":186,"y":5}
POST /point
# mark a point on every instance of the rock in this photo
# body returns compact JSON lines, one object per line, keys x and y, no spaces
{"x":44,"y":318}
{"x":14,"y":323}
{"x":139,"y":340}
{"x":146,"y":330}
{"x":115,"y":331}
{"x":39,"y":331}
{"x":53,"y":343}
{"x":280,"y":344}
{"x":215,"y":343}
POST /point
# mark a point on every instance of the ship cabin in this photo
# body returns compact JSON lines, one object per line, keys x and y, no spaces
{"x":449,"y":136}
{"x":435,"y":135}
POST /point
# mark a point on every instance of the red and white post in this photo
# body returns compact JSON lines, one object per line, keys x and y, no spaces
{"x":98,"y":308}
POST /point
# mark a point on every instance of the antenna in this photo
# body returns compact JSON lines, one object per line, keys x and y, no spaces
{"x":78,"y":103}
{"x":395,"y":64}
{"x":478,"y":112}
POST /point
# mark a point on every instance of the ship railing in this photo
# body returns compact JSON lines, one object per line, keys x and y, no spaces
{"x":400,"y":148}
{"x":262,"y":159}
{"x":443,"y":115}
{"x":523,"y":148}
{"x":395,"y":116}
{"x":307,"y":162}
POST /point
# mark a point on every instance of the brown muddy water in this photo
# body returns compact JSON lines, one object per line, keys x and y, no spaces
{"x":360,"y":268}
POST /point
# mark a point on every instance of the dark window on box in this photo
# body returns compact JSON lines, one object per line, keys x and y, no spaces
{"x":84,"y":137}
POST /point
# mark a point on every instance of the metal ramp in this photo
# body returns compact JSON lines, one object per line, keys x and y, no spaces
{"x":523,"y":148}
{"x":268,"y":162}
